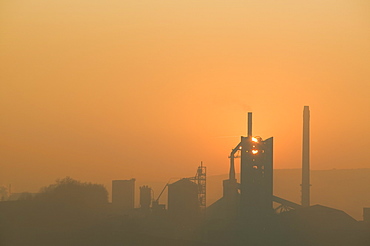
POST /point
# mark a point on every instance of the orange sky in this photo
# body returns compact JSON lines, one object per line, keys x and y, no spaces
{"x":101,"y":90}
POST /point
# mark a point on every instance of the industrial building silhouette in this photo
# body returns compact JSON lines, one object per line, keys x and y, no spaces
{"x":248,"y":213}
{"x":123,"y":194}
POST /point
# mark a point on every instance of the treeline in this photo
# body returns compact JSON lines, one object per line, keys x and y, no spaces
{"x":59,"y":212}
{"x":73,"y":193}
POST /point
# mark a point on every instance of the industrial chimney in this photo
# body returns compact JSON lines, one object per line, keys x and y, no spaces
{"x":249,"y":131}
{"x":306,"y":158}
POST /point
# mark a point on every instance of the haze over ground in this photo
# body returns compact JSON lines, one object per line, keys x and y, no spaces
{"x":148,"y":89}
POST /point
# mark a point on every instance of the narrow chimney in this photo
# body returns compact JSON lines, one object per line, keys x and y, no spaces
{"x":249,"y":124}
{"x":306,"y":158}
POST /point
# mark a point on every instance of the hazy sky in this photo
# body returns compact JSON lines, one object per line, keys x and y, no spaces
{"x":101,"y":90}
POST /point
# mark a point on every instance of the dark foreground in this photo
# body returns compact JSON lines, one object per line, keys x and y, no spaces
{"x":33,"y":224}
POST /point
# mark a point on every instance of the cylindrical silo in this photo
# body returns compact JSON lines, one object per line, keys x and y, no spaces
{"x":145,"y":197}
{"x":183,"y":200}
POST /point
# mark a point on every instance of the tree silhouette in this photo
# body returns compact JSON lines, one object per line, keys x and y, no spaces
{"x":74,"y":194}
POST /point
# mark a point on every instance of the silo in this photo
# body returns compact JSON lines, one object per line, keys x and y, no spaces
{"x":367,"y":215}
{"x":183,"y":201}
{"x":145,"y":197}
{"x":123,"y":194}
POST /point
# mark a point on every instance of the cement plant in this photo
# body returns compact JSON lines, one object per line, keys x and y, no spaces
{"x":248,"y":213}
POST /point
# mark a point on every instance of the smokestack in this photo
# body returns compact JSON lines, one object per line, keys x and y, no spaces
{"x":249,"y":134}
{"x":306,"y":158}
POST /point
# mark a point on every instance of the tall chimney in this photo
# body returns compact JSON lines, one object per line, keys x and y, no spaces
{"x":306,"y":158}
{"x":249,"y":124}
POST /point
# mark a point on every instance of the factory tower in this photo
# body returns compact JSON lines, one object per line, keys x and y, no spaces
{"x":256,"y":173}
{"x":256,"y":180}
{"x":306,"y":158}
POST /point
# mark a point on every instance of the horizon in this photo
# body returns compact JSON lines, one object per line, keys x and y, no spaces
{"x":163,"y":180}
{"x":282,"y":187}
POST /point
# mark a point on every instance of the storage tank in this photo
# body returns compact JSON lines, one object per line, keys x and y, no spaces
{"x":145,"y":197}
{"x":183,"y":200}
{"x":367,"y":215}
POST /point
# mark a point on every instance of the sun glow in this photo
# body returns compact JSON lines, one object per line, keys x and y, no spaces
{"x":254,"y":140}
